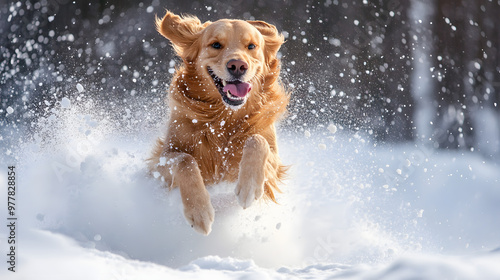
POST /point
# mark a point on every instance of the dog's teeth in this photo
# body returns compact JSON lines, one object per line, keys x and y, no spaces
{"x":233,"y":97}
{"x":224,"y":83}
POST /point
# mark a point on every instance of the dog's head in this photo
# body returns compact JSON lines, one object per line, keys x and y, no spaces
{"x":234,"y":54}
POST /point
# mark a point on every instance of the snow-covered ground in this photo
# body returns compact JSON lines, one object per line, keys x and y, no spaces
{"x":351,"y":209}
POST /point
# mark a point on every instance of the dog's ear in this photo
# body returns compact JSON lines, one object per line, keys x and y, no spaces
{"x":182,"y":31}
{"x":272,"y":37}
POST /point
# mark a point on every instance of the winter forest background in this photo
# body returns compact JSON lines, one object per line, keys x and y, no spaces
{"x":392,"y":135}
{"x":397,"y":70}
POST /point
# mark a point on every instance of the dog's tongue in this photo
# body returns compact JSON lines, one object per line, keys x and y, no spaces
{"x":238,"y":89}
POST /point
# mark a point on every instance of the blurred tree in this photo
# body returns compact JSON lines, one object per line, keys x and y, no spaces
{"x":382,"y":58}
{"x":466,"y":67}
{"x":453,"y":125}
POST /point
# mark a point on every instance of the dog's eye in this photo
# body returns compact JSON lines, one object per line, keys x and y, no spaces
{"x":251,"y":46}
{"x":216,"y":45}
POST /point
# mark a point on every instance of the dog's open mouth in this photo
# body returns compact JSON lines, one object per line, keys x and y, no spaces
{"x":234,"y":93}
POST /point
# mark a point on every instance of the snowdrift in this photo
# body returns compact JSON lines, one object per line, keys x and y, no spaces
{"x":351,"y":209}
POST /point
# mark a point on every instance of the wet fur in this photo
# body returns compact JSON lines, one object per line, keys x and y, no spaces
{"x":207,"y":142}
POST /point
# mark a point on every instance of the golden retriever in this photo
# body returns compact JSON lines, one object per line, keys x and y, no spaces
{"x":224,"y":101}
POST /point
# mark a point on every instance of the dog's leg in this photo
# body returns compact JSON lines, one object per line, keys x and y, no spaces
{"x":185,"y":173}
{"x":250,"y":186}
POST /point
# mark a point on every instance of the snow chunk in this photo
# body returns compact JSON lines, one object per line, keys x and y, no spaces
{"x":322,"y":147}
{"x":163,"y":161}
{"x":65,"y":103}
{"x":307,"y":134}
{"x":420,"y":213}
{"x":79,"y":87}
{"x":332,"y":128}
{"x":335,"y":42}
{"x":156,"y":174}
{"x":10,"y":110}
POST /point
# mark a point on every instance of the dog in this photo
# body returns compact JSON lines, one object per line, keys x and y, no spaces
{"x":224,"y":101}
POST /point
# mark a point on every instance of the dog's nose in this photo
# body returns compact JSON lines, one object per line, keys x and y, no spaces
{"x":237,"y":67}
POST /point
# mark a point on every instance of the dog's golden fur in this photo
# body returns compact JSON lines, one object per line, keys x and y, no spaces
{"x":207,"y":140}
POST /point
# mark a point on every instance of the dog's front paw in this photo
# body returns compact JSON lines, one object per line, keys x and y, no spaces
{"x":248,"y":192}
{"x":200,"y":214}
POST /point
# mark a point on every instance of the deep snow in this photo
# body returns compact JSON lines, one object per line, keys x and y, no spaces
{"x":351,"y":209}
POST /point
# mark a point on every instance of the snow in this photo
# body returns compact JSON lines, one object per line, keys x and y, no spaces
{"x":79,"y":87}
{"x":351,"y":209}
{"x":332,"y":128}
{"x":65,"y":102}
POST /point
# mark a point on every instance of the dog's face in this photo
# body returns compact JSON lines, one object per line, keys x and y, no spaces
{"x":233,"y":54}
